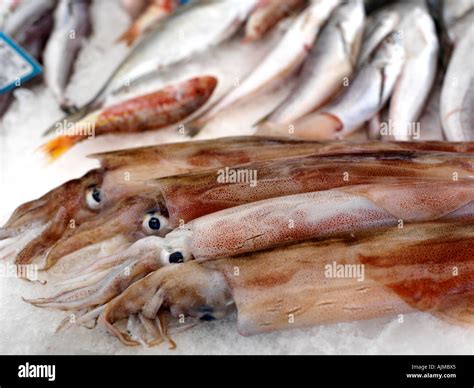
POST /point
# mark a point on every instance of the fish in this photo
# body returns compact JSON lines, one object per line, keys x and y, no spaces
{"x":395,"y":271}
{"x":457,"y":94}
{"x":134,"y":7}
{"x":154,"y":13}
{"x":431,"y":127}
{"x":147,"y":112}
{"x":72,"y":26}
{"x":23,"y":14}
{"x":29,"y":24}
{"x":178,"y":39}
{"x":188,"y":197}
{"x":364,"y":96}
{"x":267,"y":14}
{"x":412,"y":88}
{"x":456,"y":17}
{"x":332,"y":59}
{"x":377,"y":27}
{"x":280,"y":63}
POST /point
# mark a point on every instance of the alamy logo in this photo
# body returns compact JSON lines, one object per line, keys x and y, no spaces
{"x":37,"y":371}
{"x":230,"y":175}
{"x":334,"y":270}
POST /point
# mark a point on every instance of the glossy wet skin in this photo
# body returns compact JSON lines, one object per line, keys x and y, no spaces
{"x":44,"y":221}
{"x":71,"y":203}
{"x":292,"y":280}
{"x":133,"y":218}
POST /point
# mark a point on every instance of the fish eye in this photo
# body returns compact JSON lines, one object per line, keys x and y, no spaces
{"x":154,"y":222}
{"x":93,"y":198}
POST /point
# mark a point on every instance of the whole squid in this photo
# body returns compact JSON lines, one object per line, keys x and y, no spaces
{"x":173,"y":201}
{"x":37,"y":225}
{"x":264,"y":224}
{"x":345,"y":278}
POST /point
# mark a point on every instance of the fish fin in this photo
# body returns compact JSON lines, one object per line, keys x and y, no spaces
{"x":59,"y":145}
{"x":74,"y":116}
{"x":130,"y":35}
{"x":193,"y":128}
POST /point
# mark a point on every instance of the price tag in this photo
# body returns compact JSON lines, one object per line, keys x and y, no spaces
{"x":16,"y":65}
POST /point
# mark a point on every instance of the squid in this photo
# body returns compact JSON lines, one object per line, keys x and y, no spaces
{"x":37,"y":225}
{"x":268,"y":223}
{"x":179,"y":199}
{"x":295,"y":286}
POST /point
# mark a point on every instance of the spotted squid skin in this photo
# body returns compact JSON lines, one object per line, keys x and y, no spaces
{"x":405,"y":269}
{"x":262,"y":224}
{"x":189,"y":196}
{"x":193,"y":195}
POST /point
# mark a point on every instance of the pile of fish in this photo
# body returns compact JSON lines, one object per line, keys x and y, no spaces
{"x":295,"y":226}
{"x":398,"y":70}
{"x":161,"y":238}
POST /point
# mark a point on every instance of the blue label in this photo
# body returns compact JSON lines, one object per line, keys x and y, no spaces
{"x":16,"y":65}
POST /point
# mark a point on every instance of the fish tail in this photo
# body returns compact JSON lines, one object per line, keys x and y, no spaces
{"x":130,"y":36}
{"x":59,"y":145}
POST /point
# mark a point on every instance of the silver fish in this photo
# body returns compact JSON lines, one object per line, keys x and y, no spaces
{"x":365,"y":95}
{"x":71,"y":27}
{"x":23,"y":14}
{"x":378,"y":26}
{"x":283,"y":61}
{"x":332,"y":59}
{"x":181,"y":37}
{"x":411,"y":90}
{"x":457,"y":96}
{"x":177,"y":39}
{"x":29,"y":24}
{"x":456,"y":17}
{"x":431,"y":127}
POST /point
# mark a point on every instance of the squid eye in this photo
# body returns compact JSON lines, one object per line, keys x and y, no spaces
{"x":93,"y":198}
{"x":154,"y":222}
{"x":176,"y":257}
